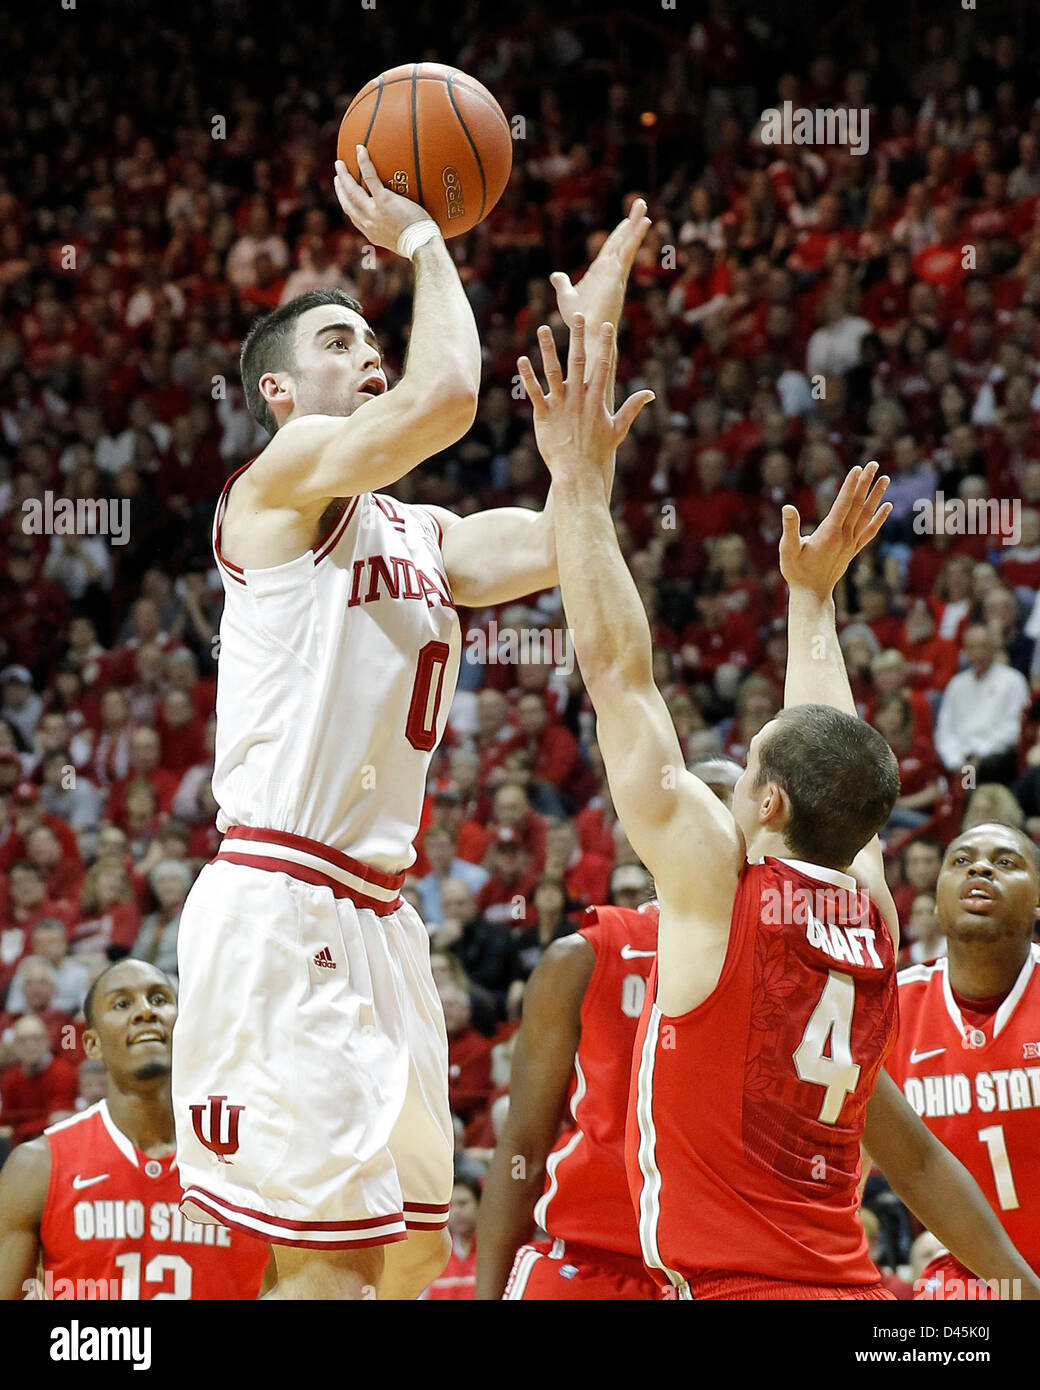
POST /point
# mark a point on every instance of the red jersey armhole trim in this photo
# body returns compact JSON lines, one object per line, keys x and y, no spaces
{"x":233,"y":570}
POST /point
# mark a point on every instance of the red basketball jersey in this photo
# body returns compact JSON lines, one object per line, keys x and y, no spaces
{"x":976,"y":1085}
{"x":112,"y":1213}
{"x":586,"y":1196}
{"x":746,"y":1114}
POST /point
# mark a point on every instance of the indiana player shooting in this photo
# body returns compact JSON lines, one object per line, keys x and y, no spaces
{"x":310,"y":1064}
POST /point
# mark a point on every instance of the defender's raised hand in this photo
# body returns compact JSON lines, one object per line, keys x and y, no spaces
{"x":857,"y":514}
{"x":574,"y":429}
{"x":599,"y":294}
{"x":379,"y":214}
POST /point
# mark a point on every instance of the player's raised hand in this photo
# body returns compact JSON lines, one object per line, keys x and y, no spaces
{"x":857,"y":514}
{"x":599,"y":294}
{"x":575,"y":431}
{"x":376,"y":211}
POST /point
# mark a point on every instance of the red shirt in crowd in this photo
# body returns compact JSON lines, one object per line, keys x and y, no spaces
{"x":27,"y":1102}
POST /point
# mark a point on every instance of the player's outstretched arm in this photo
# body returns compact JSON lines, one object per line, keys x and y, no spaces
{"x":543,"y":1060}
{"x":24,"y":1180}
{"x":681,"y":831}
{"x":939,"y":1190}
{"x":314,"y":458}
{"x":816,"y":671}
{"x":507,"y":553}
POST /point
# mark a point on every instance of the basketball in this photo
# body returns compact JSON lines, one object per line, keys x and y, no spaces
{"x":436,"y":136}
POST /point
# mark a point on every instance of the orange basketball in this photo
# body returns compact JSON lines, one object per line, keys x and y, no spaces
{"x":435,"y":136}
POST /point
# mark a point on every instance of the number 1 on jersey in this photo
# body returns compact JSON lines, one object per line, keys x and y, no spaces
{"x":830,"y":1020}
{"x":993,"y":1138}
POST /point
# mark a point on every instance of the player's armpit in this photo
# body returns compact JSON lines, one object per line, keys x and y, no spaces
{"x":24,"y":1180}
{"x":499,"y":555}
{"x":314,"y":458}
{"x":543,"y":1060}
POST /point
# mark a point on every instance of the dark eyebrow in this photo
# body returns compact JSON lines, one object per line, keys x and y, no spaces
{"x":370,"y":337}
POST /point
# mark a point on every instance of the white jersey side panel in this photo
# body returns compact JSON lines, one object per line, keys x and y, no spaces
{"x":335,"y":676}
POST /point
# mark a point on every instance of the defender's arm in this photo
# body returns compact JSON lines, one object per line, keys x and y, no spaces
{"x":543,"y":1061}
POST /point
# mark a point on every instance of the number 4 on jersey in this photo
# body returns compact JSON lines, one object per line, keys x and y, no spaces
{"x":830,"y":1026}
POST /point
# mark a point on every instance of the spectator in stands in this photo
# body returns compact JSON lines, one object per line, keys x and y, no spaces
{"x":921,"y":862}
{"x":630,"y":886}
{"x":921,"y":778}
{"x":93,"y":1083}
{"x":156,"y":941}
{"x":980,"y":717}
{"x":109,"y":917}
{"x":584,"y":874}
{"x":19,"y":703}
{"x":37,"y":1087}
{"x":439,"y":846}
{"x":507,"y":895}
{"x":37,"y":981}
{"x":469,"y":1056}
{"x":48,"y":941}
{"x":925,"y":936}
{"x":482,"y":947}
{"x":552,"y":910}
{"x":66,"y":796}
{"x":145,"y":766}
{"x":459,"y":1279}
{"x":992,"y":801}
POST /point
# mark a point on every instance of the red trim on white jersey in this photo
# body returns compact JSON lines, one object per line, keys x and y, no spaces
{"x":426,"y":1216}
{"x":324,"y":547}
{"x":279,"y":851}
{"x":310,"y":1235}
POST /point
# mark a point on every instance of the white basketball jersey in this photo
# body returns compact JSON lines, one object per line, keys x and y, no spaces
{"x":335,"y":675}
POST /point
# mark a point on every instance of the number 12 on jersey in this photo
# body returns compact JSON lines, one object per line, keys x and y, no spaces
{"x":830,"y":1023}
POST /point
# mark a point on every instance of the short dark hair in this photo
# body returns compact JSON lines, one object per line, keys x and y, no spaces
{"x":269,"y":346}
{"x":840,"y":776}
{"x":88,"y":1003}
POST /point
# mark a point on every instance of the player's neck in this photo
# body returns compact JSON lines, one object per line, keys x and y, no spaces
{"x":145,"y":1116}
{"x":985,"y":969}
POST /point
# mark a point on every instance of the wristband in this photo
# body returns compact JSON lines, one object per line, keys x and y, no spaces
{"x":416,"y":234}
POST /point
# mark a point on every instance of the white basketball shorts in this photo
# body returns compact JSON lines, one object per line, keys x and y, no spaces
{"x":310,"y":1059}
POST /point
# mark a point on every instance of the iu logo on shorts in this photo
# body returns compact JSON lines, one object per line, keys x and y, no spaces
{"x":216,"y":1142}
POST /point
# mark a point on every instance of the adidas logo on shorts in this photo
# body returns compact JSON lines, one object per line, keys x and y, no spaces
{"x":324,"y":959}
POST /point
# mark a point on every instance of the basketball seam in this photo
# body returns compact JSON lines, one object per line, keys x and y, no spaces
{"x":473,"y":147}
{"x":425,"y":77}
{"x":415,"y":134}
{"x":379,"y":98}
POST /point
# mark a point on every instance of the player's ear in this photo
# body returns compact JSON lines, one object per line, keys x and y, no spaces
{"x":92,"y":1045}
{"x":276,"y":387}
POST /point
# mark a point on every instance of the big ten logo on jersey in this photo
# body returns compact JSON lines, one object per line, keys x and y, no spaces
{"x":633,"y":992}
{"x":116,"y":1219}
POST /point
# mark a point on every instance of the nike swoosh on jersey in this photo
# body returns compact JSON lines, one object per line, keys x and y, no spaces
{"x":629,"y":952}
{"x":79,"y":1183}
{"x":916,"y":1056}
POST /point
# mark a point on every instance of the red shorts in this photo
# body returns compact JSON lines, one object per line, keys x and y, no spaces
{"x":946,"y":1280}
{"x":558,"y":1270}
{"x":723,"y":1284}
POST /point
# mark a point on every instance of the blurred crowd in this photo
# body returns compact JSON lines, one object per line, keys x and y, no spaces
{"x":797,"y":309}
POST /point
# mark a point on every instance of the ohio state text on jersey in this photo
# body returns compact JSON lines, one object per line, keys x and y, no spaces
{"x":336,"y":667}
{"x":112,"y":1213}
{"x":746,"y":1113}
{"x":586,"y":1196}
{"x":976,"y":1085}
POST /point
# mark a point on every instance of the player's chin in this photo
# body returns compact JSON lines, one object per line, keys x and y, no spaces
{"x":148,"y":1071}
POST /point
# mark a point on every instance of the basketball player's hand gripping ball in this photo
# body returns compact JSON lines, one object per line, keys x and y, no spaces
{"x":376,"y":211}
